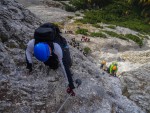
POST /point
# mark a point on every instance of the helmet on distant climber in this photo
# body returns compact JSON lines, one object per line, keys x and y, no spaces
{"x":42,"y":51}
{"x":103,"y":62}
{"x":114,"y":68}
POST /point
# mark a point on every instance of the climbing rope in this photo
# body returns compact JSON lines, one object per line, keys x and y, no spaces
{"x":78,"y":82}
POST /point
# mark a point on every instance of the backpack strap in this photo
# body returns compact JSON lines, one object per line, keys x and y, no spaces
{"x":61,"y":41}
{"x":51,"y":45}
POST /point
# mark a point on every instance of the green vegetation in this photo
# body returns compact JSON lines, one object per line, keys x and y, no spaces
{"x":88,"y":4}
{"x":117,"y":13}
{"x":87,"y":50}
{"x":97,"y":26}
{"x":143,"y":36}
{"x":60,"y":0}
{"x":99,"y":34}
{"x":126,"y":37}
{"x":111,"y":27}
{"x":113,"y":34}
{"x":143,"y":6}
{"x":133,"y":14}
{"x":94,"y":17}
{"x":82,"y":31}
{"x":70,"y":17}
{"x":135,"y":39}
{"x":135,"y":24}
{"x":77,"y":14}
{"x":68,"y":8}
{"x":139,"y":6}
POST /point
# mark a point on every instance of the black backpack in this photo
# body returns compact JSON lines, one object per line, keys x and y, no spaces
{"x":49,"y":33}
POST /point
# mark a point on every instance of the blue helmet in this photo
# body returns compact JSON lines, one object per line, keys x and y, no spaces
{"x":42,"y":51}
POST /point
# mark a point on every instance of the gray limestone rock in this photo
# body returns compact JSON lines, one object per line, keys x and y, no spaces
{"x":137,"y":84}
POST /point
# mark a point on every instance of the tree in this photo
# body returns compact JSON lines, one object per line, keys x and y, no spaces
{"x":144,"y":5}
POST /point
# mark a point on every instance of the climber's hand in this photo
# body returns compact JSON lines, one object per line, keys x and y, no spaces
{"x":70,"y":91}
{"x":29,"y":67}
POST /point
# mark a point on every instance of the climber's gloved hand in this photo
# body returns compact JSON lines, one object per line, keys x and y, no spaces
{"x":70,"y":91}
{"x":29,"y":66}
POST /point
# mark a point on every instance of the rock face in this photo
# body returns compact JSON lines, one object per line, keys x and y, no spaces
{"x":49,"y":3}
{"x":50,"y":14}
{"x":47,"y":10}
{"x":137,"y":86}
{"x":43,"y":91}
{"x":16,"y":23}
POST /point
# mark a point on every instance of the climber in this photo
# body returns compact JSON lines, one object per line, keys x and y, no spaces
{"x":113,"y":68}
{"x":49,"y":47}
{"x":103,"y":65}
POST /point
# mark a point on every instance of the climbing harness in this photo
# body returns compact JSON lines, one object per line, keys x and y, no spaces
{"x":78,"y":82}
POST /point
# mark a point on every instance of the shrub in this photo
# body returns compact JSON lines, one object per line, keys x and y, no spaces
{"x":97,"y":26}
{"x":118,"y":13}
{"x":70,"y":17}
{"x":135,"y":24}
{"x":79,"y":4}
{"x":99,"y":34}
{"x":135,"y":39}
{"x":60,"y":0}
{"x":87,"y":50}
{"x":143,"y":6}
{"x":113,"y":34}
{"x":77,"y":14}
{"x":88,"y":4}
{"x":143,"y":36}
{"x":82,"y":31}
{"x":112,"y":27}
{"x":68,"y":8}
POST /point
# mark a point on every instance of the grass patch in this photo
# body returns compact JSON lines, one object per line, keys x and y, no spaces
{"x":70,"y":17}
{"x":135,"y":24}
{"x":68,"y":7}
{"x":143,"y":36}
{"x":97,"y":26}
{"x":113,"y":34}
{"x":126,"y":37}
{"x":99,"y":34}
{"x":82,"y":31}
{"x":135,"y":39}
{"x":111,"y":27}
{"x":59,"y":24}
{"x":87,"y":50}
{"x":77,"y":14}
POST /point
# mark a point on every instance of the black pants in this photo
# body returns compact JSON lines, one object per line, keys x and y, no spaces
{"x":52,"y":62}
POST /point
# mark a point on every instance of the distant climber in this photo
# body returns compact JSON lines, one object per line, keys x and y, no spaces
{"x":103,"y":65}
{"x":113,"y":68}
{"x":49,"y":47}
